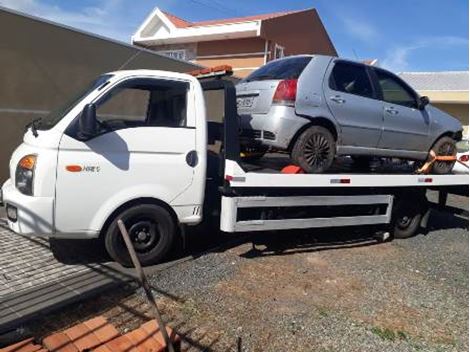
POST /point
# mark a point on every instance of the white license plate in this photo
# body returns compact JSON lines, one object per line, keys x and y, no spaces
{"x":246,"y":102}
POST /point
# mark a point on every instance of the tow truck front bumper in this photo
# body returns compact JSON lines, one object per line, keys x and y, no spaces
{"x":27,"y":215}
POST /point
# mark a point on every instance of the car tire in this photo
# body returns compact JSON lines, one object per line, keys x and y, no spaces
{"x":314,"y":150}
{"x":445,"y":146}
{"x":152,"y":231}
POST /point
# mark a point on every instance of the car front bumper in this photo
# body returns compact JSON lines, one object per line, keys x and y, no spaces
{"x":27,"y":215}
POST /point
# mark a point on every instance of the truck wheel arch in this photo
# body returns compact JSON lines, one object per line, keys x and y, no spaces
{"x":134,"y":202}
{"x":315,"y":121}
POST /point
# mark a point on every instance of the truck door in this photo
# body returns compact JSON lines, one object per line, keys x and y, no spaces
{"x":141,"y":149}
{"x":351,"y":99}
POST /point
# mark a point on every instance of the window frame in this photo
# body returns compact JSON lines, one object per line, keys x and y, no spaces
{"x":73,"y":127}
{"x":332,"y":82}
{"x":401,"y":82}
{"x":281,"y":50}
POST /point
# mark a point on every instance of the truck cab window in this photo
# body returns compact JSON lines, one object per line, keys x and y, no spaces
{"x":143,"y":102}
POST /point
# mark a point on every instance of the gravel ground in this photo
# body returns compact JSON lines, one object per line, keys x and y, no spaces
{"x":322,"y":290}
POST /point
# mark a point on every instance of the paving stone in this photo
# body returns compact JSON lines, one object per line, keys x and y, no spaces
{"x":121,"y":344}
{"x":144,"y":341}
{"x":102,"y":329}
{"x":27,"y":345}
{"x":151,"y":327}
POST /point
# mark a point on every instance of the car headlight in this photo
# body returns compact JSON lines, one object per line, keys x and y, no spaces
{"x":24,"y":176}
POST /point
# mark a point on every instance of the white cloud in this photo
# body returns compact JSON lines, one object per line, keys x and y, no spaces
{"x":360,"y":29}
{"x":397,"y":59}
{"x":106,"y":18}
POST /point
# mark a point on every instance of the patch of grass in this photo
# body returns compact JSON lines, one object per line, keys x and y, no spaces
{"x":388,"y":334}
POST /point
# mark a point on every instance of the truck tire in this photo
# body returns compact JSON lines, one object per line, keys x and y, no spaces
{"x":406,"y":217}
{"x":152,"y":232}
{"x":445,"y":146}
{"x":314,"y":150}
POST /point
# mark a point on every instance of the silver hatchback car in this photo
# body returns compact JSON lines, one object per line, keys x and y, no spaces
{"x":318,"y":107}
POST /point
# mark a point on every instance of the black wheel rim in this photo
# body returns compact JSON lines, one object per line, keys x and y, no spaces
{"x":144,"y":234}
{"x":404,"y":221}
{"x":317,"y":150}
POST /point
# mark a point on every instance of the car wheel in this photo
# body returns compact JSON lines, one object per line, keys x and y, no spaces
{"x":445,"y":146}
{"x":152,"y":232}
{"x":314,"y":150}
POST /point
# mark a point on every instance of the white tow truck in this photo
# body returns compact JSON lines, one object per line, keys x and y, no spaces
{"x":139,"y":146}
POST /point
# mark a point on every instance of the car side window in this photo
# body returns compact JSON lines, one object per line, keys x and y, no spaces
{"x":143,"y":102}
{"x":394,"y":91}
{"x":351,"y":79}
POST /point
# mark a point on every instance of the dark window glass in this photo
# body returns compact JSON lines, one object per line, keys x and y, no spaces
{"x":352,"y":79}
{"x":394,"y":91}
{"x":143,"y":102}
{"x":289,"y":68}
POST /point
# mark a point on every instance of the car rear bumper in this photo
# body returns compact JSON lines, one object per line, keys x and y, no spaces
{"x":275,"y":129}
{"x":27,"y":215}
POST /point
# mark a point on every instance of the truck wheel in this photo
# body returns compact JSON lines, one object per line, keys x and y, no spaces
{"x":445,"y":146}
{"x":406,"y":218}
{"x":152,"y":232}
{"x":314,"y":150}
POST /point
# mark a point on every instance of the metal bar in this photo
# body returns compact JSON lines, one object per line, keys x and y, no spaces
{"x":298,"y":201}
{"x":143,"y":281}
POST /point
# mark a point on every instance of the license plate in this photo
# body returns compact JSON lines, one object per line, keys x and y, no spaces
{"x":246,"y":102}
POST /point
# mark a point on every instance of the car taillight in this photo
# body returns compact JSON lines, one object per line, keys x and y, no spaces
{"x":464,"y":158}
{"x":286,"y":92}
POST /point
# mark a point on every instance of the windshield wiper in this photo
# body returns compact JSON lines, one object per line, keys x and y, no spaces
{"x":34,"y":126}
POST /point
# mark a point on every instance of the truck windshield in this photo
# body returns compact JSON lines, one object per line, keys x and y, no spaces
{"x":56,"y":115}
{"x":289,"y":68}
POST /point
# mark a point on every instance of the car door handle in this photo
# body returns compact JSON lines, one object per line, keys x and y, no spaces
{"x":391,"y":111}
{"x":337,"y":99}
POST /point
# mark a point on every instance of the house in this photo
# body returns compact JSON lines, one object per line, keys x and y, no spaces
{"x":447,"y":90}
{"x":245,"y":43}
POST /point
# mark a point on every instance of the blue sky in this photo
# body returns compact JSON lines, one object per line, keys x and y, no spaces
{"x":405,"y":35}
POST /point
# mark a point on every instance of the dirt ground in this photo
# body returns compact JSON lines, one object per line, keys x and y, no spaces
{"x":328,"y":290}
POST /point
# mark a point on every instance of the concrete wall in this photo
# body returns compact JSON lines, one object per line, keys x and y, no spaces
{"x":42,"y":65}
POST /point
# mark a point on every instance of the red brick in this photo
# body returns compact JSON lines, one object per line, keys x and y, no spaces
{"x":82,"y":337}
{"x":102,"y":329}
{"x":102,"y":348}
{"x":22,"y":346}
{"x":152,"y":328}
{"x":144,"y":341}
{"x":121,"y":344}
{"x":59,"y":342}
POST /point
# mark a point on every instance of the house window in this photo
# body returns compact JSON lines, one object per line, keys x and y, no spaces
{"x":278,"y":51}
{"x":179,"y":54}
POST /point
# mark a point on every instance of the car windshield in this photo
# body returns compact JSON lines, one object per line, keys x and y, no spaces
{"x":289,"y":68}
{"x":56,"y":115}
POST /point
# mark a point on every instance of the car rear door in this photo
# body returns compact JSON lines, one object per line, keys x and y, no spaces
{"x":406,"y":127}
{"x":351,"y":98}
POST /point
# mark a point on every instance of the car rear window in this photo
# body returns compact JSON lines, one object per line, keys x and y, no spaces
{"x":290,"y":68}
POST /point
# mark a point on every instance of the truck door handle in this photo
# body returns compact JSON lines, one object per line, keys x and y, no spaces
{"x":392,"y":111}
{"x":337,"y":99}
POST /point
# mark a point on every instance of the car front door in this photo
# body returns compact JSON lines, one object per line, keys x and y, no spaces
{"x":406,"y":127}
{"x":140,"y":150}
{"x":350,"y":97}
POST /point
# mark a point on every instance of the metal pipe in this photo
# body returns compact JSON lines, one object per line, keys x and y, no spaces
{"x":143,"y":281}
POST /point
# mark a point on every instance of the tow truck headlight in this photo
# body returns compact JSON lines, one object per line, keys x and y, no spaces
{"x":24,"y":175}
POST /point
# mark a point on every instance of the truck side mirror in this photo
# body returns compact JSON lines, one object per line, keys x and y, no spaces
{"x":87,"y":124}
{"x":423,"y":101}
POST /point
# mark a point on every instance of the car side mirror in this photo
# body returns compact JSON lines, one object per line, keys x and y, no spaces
{"x":87,"y":124}
{"x":423,"y":101}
